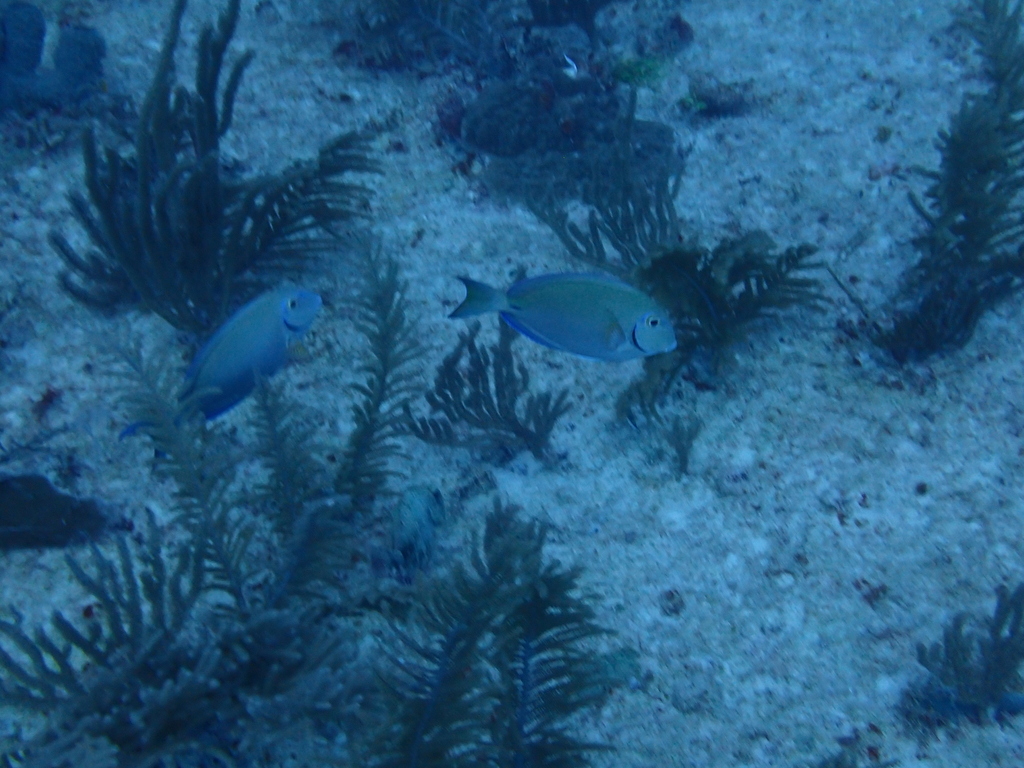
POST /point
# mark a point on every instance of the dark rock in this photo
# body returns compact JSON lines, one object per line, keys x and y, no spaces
{"x":35,"y":514}
{"x":24,"y":30}
{"x":78,"y":61}
{"x":559,"y":114}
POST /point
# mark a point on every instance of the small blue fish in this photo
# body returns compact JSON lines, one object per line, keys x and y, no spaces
{"x":252,"y":341}
{"x":590,"y":315}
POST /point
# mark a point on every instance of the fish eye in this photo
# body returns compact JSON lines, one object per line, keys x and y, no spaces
{"x":652,"y":322}
{"x":292,"y":304}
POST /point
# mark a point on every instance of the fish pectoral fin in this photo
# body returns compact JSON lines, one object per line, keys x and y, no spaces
{"x":614,"y":336}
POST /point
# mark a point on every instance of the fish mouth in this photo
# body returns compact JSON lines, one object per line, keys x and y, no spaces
{"x":292,"y":327}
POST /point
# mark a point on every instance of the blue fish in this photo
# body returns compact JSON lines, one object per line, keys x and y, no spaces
{"x":593,"y":316}
{"x":253,"y":341}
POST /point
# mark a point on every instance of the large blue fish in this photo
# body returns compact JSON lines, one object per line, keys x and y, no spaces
{"x":590,"y":315}
{"x":254,"y":340}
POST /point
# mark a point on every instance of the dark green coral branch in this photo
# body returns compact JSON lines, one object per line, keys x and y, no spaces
{"x":389,"y":381}
{"x":972,"y":249}
{"x":483,"y":396}
{"x":973,"y":674}
{"x":634,"y":230}
{"x":172,"y":229}
{"x":498,"y":664}
{"x":552,"y":673}
{"x":312,"y":540}
{"x":143,"y":602}
{"x":631,"y":191}
{"x":201,"y":465}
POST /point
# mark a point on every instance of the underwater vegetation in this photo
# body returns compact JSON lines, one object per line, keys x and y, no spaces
{"x":77,"y":61}
{"x":633,"y":230}
{"x":497,"y":663}
{"x":627,"y":174}
{"x":191,"y":636}
{"x":176,"y":644}
{"x":170,"y":228}
{"x":973,"y":675}
{"x":972,"y":249}
{"x":482,"y":398}
{"x":215,"y":639}
{"x":391,"y":379}
{"x":714,"y":293}
{"x":630,"y":195}
{"x":221,"y":636}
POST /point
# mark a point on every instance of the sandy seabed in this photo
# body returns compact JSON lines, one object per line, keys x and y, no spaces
{"x":837,"y":510}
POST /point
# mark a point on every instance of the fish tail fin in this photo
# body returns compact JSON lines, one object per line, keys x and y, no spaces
{"x":480,"y":298}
